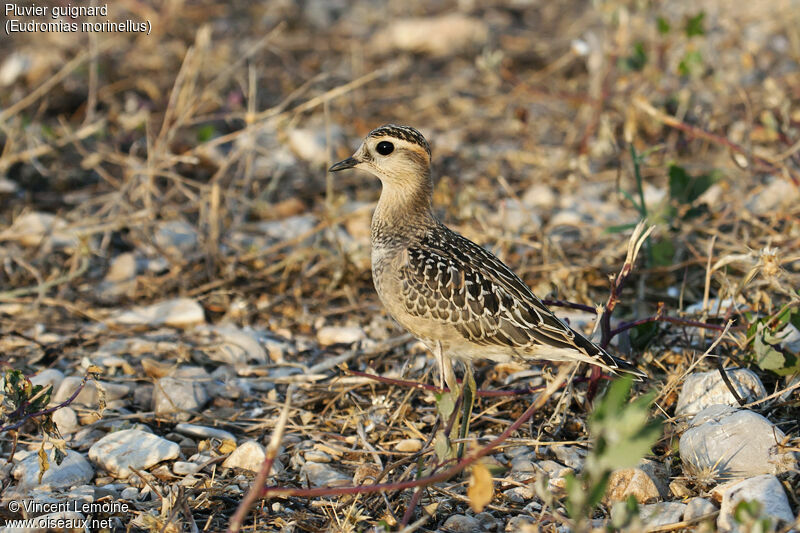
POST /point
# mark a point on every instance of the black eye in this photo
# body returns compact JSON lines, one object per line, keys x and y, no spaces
{"x":384,"y":148}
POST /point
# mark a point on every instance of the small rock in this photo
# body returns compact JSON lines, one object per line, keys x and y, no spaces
{"x":487,"y":521}
{"x":697,"y":507}
{"x":734,"y":443}
{"x":329,"y":335}
{"x":515,"y":217}
{"x":704,"y":389}
{"x":120,"y":450}
{"x":323,"y":475}
{"x":89,"y":395}
{"x":779,"y":192}
{"x":66,"y":420}
{"x":571,"y":456}
{"x":632,"y":481}
{"x":317,"y":456}
{"x":366,"y":474}
{"x":176,"y":395}
{"x":765,"y":489}
{"x":178,"y":313}
{"x":183,"y":468}
{"x":408,"y":445}
{"x":460,"y":523}
{"x":120,"y":280}
{"x":130,"y":494}
{"x":143,"y":396}
{"x":539,"y":196}
{"x":661,"y":514}
{"x":32,"y":228}
{"x":520,"y":523}
{"x":287,"y":228}
{"x":204,"y":432}
{"x":249,"y":455}
{"x":48,"y":376}
{"x":236,"y":346}
{"x":73,"y":470}
{"x":176,"y":237}
{"x":438,"y":36}
{"x":311,"y":144}
{"x":679,"y":489}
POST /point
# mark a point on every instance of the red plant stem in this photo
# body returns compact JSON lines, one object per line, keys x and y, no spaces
{"x":672,"y":320}
{"x":441,"y":476}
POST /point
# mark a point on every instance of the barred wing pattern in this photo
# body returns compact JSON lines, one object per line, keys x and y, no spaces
{"x":450,"y":279}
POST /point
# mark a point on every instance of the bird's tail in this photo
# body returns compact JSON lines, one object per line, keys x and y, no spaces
{"x":606,"y":359}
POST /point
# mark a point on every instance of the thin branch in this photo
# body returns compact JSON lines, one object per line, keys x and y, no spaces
{"x":255,"y":490}
{"x":441,"y":476}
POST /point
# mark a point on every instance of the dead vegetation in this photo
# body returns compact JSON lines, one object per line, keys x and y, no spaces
{"x":190,"y":163}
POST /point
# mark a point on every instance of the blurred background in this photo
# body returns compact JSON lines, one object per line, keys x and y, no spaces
{"x":187,"y":166}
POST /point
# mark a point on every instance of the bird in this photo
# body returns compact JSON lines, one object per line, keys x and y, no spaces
{"x":456,"y":297}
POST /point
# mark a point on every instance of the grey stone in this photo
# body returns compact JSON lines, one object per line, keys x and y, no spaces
{"x":697,"y":507}
{"x":175,"y":237}
{"x":765,"y":489}
{"x":235,"y":346}
{"x":643,"y":483}
{"x":119,"y":451}
{"x":182,"y":468}
{"x":704,"y":389}
{"x":460,"y":523}
{"x":734,"y":443}
{"x":48,"y":376}
{"x":176,"y":395}
{"x":661,"y":514}
{"x":178,"y":312}
{"x":249,"y":455}
{"x":73,"y":470}
{"x":204,"y":432}
{"x":323,"y":475}
{"x":571,"y":456}
{"x":66,"y":420}
{"x":89,"y":395}
{"x":130,"y":494}
{"x":329,"y":335}
{"x":519,"y":523}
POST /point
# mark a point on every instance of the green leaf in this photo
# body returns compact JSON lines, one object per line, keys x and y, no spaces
{"x":206,"y":133}
{"x":691,"y":64}
{"x":769,"y":357}
{"x":620,"y":228}
{"x":694,"y":25}
{"x":446,"y":404}
{"x":662,"y":25}
{"x":636,"y":61}
{"x":642,"y":334}
{"x":662,"y":252}
{"x":685,"y":189}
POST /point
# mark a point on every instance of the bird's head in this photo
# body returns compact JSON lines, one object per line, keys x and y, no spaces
{"x":398,"y":155}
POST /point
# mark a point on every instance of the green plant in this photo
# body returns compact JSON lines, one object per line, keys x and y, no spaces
{"x":684,"y":191}
{"x":24,"y":401}
{"x":749,"y":514}
{"x":622,"y":433}
{"x":766,"y":336}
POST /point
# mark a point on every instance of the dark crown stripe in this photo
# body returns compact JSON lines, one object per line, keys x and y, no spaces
{"x":405,"y":133}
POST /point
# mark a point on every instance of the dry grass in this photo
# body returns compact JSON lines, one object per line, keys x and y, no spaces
{"x":201,"y":122}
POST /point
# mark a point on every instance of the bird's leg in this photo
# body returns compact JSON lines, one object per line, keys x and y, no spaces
{"x":467,"y":402}
{"x":440,"y":361}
